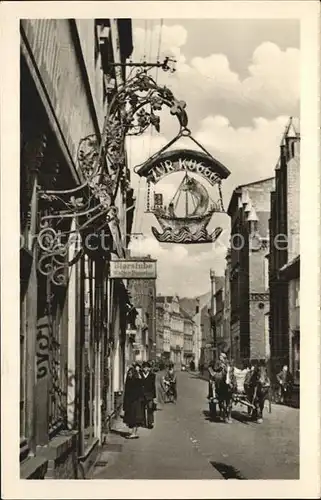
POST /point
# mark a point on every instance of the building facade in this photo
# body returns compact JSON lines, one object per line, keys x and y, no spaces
{"x":159,"y":330}
{"x":167,"y":332}
{"x":227,"y":305}
{"x":72,"y":318}
{"x":189,"y":332}
{"x":199,"y":309}
{"x":249,"y":210}
{"x":143,"y":297}
{"x":221,"y":343}
{"x":177,"y":333}
{"x":284,"y":256}
{"x":164,"y":307}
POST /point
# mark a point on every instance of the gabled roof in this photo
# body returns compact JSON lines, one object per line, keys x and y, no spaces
{"x":184,"y":314}
{"x":219,"y":283}
{"x":292,"y":129}
{"x":239,"y":189}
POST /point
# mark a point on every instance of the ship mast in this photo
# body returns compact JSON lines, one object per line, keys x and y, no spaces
{"x":186,"y":204}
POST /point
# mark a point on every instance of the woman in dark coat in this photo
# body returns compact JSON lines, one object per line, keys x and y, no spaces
{"x":133,"y":401}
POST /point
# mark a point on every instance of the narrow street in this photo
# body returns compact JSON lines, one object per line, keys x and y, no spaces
{"x":184,"y":444}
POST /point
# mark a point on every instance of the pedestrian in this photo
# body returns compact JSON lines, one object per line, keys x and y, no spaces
{"x":149,"y":392}
{"x":170,"y":382}
{"x":133,"y":401}
{"x":215,"y":373}
{"x":285,"y":381}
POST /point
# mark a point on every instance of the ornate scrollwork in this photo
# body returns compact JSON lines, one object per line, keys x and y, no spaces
{"x":102,"y":163}
{"x":53,"y":259}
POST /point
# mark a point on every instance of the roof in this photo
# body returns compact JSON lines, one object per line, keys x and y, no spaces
{"x":185,"y":314}
{"x":291,"y":270}
{"x":219,"y":283}
{"x":238,"y":190}
{"x":189,"y":304}
{"x":292,"y":129}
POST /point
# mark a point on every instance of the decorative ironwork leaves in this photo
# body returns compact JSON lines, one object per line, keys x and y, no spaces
{"x":102,"y":162}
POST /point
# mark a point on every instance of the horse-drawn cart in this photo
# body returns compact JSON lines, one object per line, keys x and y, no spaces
{"x":240,"y":395}
{"x":238,"y":392}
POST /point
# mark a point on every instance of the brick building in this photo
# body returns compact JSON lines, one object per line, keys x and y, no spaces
{"x":71,"y":360}
{"x":284,"y":258}
{"x":249,"y":210}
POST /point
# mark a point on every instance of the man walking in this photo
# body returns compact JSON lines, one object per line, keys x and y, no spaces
{"x":285,"y":381}
{"x":149,"y":391}
{"x":214,"y":371}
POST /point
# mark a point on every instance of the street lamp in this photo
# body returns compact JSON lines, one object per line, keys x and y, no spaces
{"x":213,"y":326}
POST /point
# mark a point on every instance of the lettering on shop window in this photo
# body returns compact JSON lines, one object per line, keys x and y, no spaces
{"x":42,"y":354}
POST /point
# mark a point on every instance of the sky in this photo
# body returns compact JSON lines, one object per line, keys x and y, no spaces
{"x":240,"y":81}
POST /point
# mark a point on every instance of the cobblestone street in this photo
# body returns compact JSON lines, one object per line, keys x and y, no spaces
{"x":185,"y":445}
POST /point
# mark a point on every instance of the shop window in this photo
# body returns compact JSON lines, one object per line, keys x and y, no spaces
{"x":58,"y":389}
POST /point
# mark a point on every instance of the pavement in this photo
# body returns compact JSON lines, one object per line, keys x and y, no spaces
{"x":186,"y":444}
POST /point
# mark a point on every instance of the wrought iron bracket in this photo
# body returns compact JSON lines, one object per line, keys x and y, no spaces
{"x":102,"y":161}
{"x":145,"y":65}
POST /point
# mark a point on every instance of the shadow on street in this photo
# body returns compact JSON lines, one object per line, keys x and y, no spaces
{"x":227,"y":471}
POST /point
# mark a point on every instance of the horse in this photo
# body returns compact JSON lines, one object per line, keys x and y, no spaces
{"x":224,"y":388}
{"x":257,"y":389}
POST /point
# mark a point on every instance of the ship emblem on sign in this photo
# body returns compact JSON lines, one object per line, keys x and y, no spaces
{"x":189,"y":212}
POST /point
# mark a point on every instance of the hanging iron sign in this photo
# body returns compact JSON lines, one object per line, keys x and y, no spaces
{"x":185,"y":160}
{"x":189,"y":212}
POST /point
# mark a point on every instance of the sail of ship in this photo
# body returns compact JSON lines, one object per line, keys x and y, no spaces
{"x":197,"y":211}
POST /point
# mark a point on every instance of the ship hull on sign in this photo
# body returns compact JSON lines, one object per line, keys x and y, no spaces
{"x":185,"y":231}
{"x":191,"y":228}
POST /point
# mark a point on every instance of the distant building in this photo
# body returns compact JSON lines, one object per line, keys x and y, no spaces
{"x":177,"y":333}
{"x":219,"y":295}
{"x":227,"y":305}
{"x":189,"y":331}
{"x":173,"y":328}
{"x":249,"y":210}
{"x":284,"y":258}
{"x":159,"y":329}
{"x":143,"y":298}
{"x":167,"y":332}
{"x":199,"y":310}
